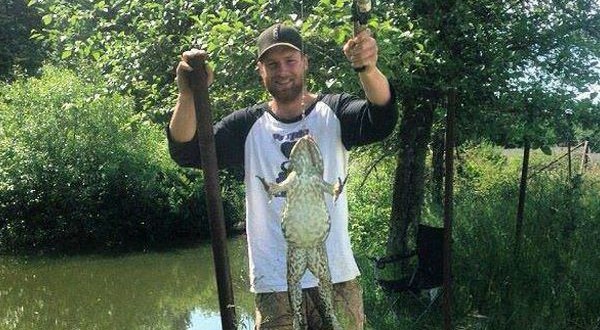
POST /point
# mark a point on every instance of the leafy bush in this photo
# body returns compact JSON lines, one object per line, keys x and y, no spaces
{"x":79,"y":170}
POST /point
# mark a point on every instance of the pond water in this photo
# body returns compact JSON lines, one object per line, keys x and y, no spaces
{"x":158,"y":290}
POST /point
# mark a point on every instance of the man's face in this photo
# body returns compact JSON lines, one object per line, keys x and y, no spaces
{"x":282,"y":71}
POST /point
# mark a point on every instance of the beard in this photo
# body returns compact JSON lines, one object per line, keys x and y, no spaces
{"x":285,"y":94}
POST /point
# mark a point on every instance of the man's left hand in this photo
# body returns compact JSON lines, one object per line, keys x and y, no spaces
{"x":362,"y":50}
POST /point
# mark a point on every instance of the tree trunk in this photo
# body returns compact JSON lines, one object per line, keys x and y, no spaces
{"x":415,"y":130}
{"x":437,"y":172}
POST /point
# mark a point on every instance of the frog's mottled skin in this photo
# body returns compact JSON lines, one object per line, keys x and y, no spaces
{"x":305,"y":223}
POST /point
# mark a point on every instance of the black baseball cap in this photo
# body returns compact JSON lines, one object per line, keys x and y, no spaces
{"x":278,"y":35}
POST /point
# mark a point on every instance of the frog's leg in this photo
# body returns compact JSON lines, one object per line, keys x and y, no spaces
{"x":275,"y":188}
{"x":296,"y":266}
{"x":319,"y":266}
{"x":333,"y":189}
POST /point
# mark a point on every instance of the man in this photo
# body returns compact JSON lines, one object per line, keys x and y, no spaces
{"x":260,"y":138}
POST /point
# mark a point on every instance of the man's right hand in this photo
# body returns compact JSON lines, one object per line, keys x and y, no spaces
{"x":183,"y":121}
{"x":183,"y":68}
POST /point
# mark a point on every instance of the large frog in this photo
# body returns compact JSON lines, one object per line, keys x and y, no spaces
{"x":305,"y":223}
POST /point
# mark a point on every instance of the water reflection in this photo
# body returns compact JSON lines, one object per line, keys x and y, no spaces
{"x":171,"y":290}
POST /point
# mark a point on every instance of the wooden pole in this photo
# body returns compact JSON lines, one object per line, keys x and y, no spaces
{"x":569,"y":114}
{"x":584,"y":157}
{"x":448,"y":209}
{"x":569,"y":160}
{"x":522,"y":193}
{"x":198,"y":83}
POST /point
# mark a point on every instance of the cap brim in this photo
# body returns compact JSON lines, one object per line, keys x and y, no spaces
{"x":275,"y":45}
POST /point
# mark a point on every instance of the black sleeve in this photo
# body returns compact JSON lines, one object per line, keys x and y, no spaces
{"x":185,"y":154}
{"x":363,"y":122}
{"x":230,"y":137}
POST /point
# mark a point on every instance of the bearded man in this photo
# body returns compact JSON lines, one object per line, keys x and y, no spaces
{"x":260,"y":137}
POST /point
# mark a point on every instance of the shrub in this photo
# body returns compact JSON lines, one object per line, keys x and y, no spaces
{"x":79,"y":170}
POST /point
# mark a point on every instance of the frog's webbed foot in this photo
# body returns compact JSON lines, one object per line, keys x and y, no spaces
{"x":266,"y":185}
{"x":338,"y":188}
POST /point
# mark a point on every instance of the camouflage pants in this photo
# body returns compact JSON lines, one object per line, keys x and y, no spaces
{"x":273,"y":311}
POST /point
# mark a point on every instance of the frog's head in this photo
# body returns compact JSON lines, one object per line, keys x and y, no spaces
{"x":305,"y":157}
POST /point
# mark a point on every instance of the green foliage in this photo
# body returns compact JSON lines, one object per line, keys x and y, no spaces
{"x":17,"y":52}
{"x":134,"y":43}
{"x":79,"y":170}
{"x":587,"y":127}
{"x":509,"y":62}
{"x":137,"y":44}
{"x":539,"y":289}
{"x":506,"y":60}
{"x":552,"y":285}
{"x":482,"y":168}
{"x":369,"y":200}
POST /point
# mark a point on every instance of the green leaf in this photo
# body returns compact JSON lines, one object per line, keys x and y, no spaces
{"x":36,"y":36}
{"x":47,"y":19}
{"x":66,"y":54}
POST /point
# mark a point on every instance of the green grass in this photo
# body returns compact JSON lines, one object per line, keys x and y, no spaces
{"x":553,"y":285}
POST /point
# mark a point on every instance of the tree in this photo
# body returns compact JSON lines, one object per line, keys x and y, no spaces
{"x":488,"y":51}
